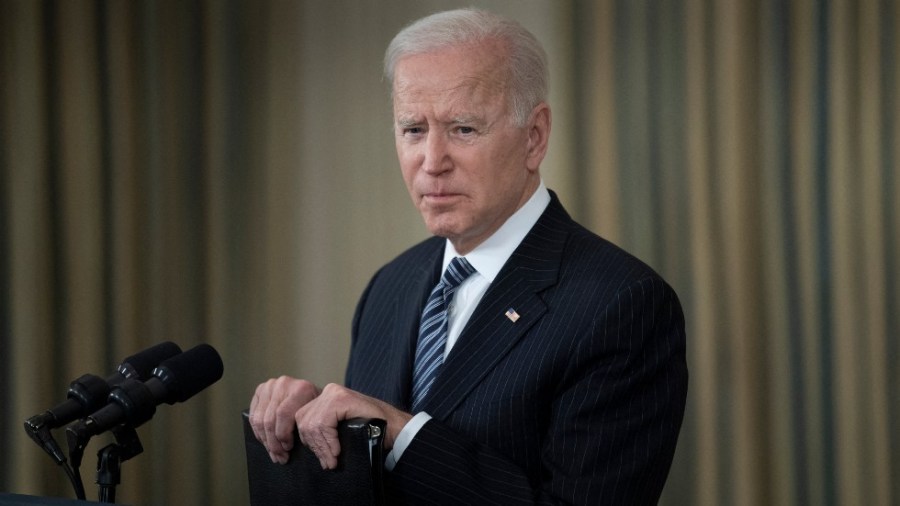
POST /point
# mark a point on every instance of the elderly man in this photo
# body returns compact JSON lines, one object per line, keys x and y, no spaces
{"x":545,"y":365}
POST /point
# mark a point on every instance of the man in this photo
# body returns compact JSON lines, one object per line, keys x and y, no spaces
{"x":560,"y":374}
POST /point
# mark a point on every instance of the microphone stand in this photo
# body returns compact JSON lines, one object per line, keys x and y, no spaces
{"x":110,"y":458}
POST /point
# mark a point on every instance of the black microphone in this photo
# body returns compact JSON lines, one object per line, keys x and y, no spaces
{"x":90,"y":393}
{"x":134,"y":402}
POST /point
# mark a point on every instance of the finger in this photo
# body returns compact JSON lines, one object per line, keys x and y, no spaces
{"x":318,"y":431}
{"x":284,"y":425}
{"x":298,"y":393}
{"x":315,"y":440}
{"x":294,"y":395}
{"x":254,"y":401}
{"x":331,"y":446}
{"x":270,"y":420}
{"x":306,"y":434}
{"x":257,"y":412}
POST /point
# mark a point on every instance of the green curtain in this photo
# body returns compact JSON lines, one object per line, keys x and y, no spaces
{"x":224,"y":172}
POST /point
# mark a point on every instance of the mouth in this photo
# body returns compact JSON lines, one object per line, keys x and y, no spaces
{"x":440,"y":197}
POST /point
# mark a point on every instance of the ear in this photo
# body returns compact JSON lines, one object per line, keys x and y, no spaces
{"x":538,"y":136}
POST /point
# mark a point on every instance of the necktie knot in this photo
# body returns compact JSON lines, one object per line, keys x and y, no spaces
{"x":457,"y":271}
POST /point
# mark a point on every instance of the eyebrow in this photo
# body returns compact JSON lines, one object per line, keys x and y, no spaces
{"x":407,"y":122}
{"x":471,"y":119}
{"x":410,"y":121}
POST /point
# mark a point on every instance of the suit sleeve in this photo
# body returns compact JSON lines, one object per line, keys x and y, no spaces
{"x":357,"y":316}
{"x":614,"y":420}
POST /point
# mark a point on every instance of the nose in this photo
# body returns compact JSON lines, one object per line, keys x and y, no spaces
{"x":436,"y":157}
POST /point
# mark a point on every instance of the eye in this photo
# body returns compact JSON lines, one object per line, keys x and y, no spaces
{"x":465,"y":130}
{"x":413,"y":130}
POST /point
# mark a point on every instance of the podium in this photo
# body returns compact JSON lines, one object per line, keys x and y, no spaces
{"x":357,"y":481}
{"x":31,"y":500}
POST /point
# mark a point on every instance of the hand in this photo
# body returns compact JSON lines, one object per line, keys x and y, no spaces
{"x":272,"y":413}
{"x":317,"y":420}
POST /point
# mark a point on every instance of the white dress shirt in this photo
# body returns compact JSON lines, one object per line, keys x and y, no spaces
{"x":487,"y":258}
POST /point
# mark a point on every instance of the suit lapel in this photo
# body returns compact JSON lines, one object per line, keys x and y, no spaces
{"x":490,"y":334}
{"x":407,"y":312}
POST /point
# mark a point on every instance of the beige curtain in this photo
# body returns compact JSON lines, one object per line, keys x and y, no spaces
{"x":223,"y":172}
{"x":749,"y":150}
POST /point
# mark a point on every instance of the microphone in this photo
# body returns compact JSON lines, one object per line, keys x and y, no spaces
{"x":134,"y":402}
{"x":89,"y":393}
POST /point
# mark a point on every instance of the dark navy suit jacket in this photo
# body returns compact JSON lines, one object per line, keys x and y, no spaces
{"x":578,"y":401}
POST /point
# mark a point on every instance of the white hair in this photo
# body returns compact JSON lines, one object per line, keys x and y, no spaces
{"x":526,"y":61}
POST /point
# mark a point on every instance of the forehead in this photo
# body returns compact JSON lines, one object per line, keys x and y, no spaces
{"x":465,"y":76}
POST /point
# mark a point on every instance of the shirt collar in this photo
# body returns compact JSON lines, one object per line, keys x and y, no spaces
{"x":489,"y":256}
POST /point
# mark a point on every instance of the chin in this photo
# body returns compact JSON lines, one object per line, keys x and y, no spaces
{"x":440,"y":229}
{"x":441,"y":232}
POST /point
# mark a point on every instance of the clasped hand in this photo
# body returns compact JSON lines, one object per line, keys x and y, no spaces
{"x":282,"y":403}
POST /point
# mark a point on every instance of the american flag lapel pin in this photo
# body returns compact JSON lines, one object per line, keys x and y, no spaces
{"x":512,"y":315}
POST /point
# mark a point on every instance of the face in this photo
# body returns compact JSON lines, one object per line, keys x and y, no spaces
{"x":467,"y":166}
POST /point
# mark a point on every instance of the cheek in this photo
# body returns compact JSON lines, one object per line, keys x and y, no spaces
{"x":409,"y":181}
{"x":407,"y":167}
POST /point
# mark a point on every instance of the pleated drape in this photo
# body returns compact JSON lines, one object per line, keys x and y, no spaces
{"x":224,"y":172}
{"x":749,"y":150}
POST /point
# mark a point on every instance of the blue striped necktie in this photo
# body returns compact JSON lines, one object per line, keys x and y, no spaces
{"x":433,"y":330}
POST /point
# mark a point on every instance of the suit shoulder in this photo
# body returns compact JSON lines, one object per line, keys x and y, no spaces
{"x":590,"y":256}
{"x":415,"y":260}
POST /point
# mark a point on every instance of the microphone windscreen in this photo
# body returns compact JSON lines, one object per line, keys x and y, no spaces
{"x":140,"y":365}
{"x":187,"y":374}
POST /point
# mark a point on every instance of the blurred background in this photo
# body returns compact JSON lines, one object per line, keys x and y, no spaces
{"x":224,"y":172}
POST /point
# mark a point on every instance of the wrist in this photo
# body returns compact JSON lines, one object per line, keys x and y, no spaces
{"x":395,"y":424}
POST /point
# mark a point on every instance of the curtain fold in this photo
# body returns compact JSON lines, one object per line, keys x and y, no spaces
{"x":753,"y":161}
{"x":224,"y":172}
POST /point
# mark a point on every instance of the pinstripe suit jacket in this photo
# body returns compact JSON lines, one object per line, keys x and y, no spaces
{"x":579,"y":401}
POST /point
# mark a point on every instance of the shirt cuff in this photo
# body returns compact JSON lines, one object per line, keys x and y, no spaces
{"x":406,"y":435}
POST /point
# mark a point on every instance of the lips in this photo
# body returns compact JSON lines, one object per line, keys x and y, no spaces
{"x":440,"y":197}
